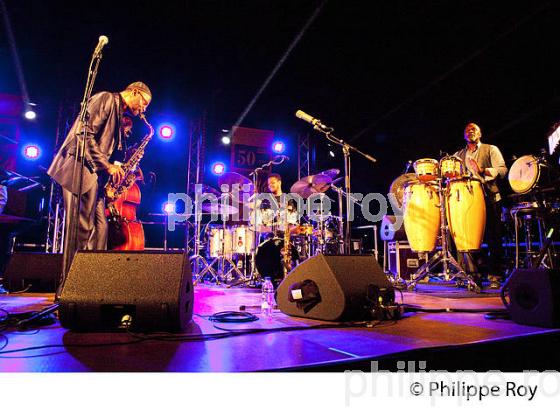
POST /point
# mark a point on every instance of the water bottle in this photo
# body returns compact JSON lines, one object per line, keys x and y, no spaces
{"x":267,"y":303}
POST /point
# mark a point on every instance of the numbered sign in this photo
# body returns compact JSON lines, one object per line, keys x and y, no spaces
{"x":250,"y":148}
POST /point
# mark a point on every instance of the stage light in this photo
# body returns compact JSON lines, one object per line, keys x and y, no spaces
{"x":30,"y":114}
{"x":331,"y":153}
{"x":278,"y":147}
{"x":166,"y":132}
{"x":31,"y":152}
{"x":218,"y":168}
{"x":226,"y":140}
{"x":168,"y":208}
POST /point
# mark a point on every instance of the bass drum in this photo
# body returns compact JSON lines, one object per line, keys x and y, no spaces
{"x":268,"y":259}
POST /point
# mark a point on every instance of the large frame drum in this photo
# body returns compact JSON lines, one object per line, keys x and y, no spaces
{"x":466,"y":213}
{"x":421,"y":215}
{"x":525,"y":174}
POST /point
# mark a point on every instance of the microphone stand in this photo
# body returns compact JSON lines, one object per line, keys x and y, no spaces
{"x":78,"y":169}
{"x":346,"y":149}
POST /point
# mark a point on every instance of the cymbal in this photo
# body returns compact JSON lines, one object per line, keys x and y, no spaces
{"x":218,"y":208}
{"x":333,"y":172}
{"x":231,"y":178}
{"x":205,"y":189}
{"x":399,"y":184}
{"x":312,"y":184}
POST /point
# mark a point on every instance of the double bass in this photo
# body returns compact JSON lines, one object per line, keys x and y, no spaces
{"x":126,"y":233}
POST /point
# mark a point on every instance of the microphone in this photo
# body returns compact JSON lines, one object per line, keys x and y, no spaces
{"x":317,"y":124}
{"x":102,"y":41}
{"x":408,"y":164}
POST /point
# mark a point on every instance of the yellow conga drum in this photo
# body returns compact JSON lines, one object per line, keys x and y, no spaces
{"x":421,"y":215}
{"x":466,"y":213}
{"x":426,"y":169}
{"x":451,"y":167}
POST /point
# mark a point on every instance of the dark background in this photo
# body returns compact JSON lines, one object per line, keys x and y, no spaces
{"x":398,"y":79}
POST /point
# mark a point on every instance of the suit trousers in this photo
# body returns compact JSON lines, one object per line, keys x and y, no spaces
{"x":92,"y":223}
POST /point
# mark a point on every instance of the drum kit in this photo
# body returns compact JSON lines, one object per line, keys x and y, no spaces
{"x":440,"y":199}
{"x":233,"y":250}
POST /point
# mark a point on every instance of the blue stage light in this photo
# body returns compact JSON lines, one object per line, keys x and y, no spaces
{"x":31,"y":152}
{"x":218,"y":168}
{"x":168,"y":207}
{"x":278,"y":147}
{"x":166,"y":132}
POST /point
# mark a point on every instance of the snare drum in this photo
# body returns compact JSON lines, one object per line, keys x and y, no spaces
{"x":421,"y":215}
{"x":451,"y":167}
{"x":526,"y":173}
{"x":426,"y":169}
{"x":466,"y":213}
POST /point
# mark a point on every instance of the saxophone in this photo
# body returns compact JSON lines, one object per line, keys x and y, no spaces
{"x":114,"y":191}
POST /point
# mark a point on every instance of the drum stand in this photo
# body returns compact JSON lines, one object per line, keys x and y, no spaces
{"x":443,"y":256}
{"x":223,"y":260}
{"x":197,"y":258}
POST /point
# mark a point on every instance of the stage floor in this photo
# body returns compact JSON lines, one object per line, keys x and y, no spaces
{"x":445,"y":341}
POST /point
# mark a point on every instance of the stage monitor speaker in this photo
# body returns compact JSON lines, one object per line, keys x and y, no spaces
{"x":532,"y":297}
{"x":334,"y":288}
{"x":36,"y":270}
{"x":110,"y":291}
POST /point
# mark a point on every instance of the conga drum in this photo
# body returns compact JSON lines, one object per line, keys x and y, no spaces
{"x":421,"y":215}
{"x":451,"y":167}
{"x":426,"y":169}
{"x":466,"y":213}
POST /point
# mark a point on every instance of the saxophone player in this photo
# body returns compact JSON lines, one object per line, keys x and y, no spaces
{"x":102,"y":136}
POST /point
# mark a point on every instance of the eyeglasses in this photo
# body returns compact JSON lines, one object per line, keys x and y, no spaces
{"x":145,"y":100}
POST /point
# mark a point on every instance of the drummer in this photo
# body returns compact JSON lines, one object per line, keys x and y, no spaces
{"x":274,"y":209}
{"x":486,"y":163}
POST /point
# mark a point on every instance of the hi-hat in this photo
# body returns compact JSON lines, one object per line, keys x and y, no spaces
{"x":399,"y":184}
{"x":312,"y":184}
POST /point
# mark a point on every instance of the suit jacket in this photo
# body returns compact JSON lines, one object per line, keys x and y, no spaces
{"x":488,"y":156}
{"x":102,"y":134}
